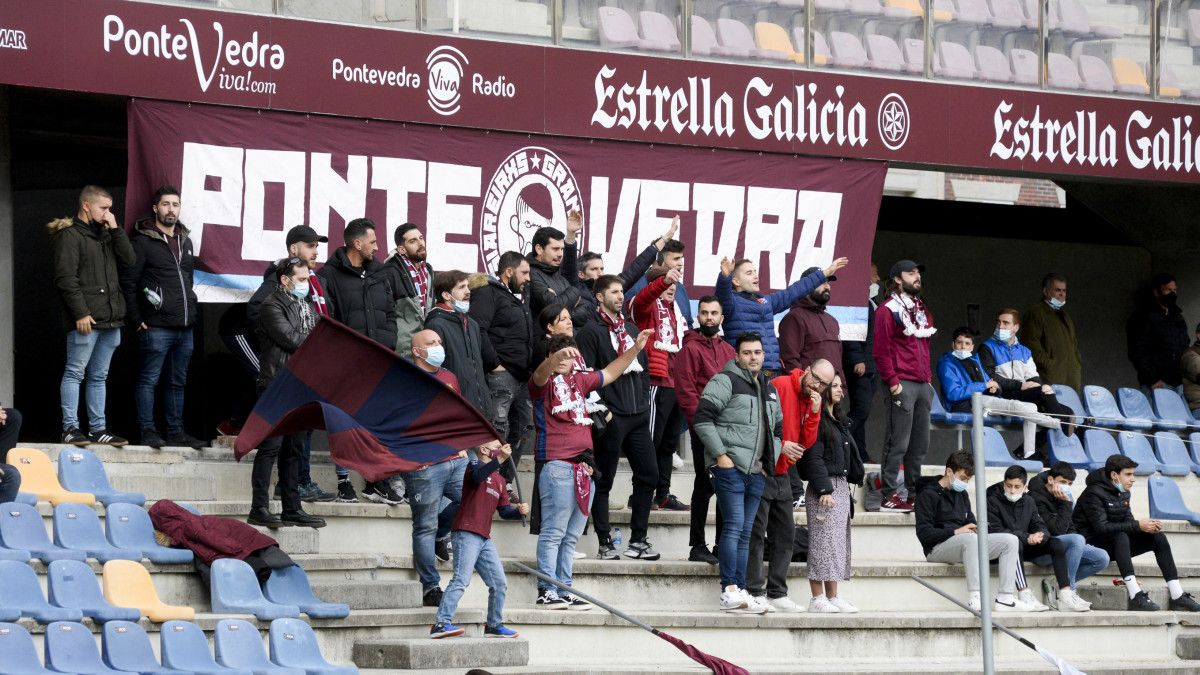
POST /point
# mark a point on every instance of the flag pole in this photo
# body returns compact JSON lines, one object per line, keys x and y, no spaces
{"x":574,"y":591}
{"x":981,"y":523}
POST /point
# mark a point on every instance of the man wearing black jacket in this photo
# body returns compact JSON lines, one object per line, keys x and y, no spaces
{"x":1103,"y":517}
{"x":604,"y":338}
{"x":358,"y":286}
{"x":1051,"y":492}
{"x":552,"y":275}
{"x":161,"y":304}
{"x":500,"y":307}
{"x":469,"y":353}
{"x":1157,"y":335}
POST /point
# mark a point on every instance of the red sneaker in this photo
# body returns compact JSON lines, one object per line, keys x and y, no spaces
{"x":895,"y":504}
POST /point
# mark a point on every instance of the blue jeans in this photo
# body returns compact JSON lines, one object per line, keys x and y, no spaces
{"x":562,"y":522}
{"x":88,"y":357}
{"x":10,"y":483}
{"x":738,"y":496}
{"x":155,"y":346}
{"x":1083,"y":559}
{"x":473,"y":552}
{"x":426,"y":489}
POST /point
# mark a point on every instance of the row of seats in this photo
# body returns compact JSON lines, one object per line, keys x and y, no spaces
{"x":128,"y":593}
{"x":69,"y":647}
{"x":1130,"y":409}
{"x":80,"y":478}
{"x":78,"y":535}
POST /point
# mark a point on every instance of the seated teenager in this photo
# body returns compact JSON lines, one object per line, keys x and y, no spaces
{"x":1051,"y":491}
{"x":1104,"y":518}
{"x":946,"y":529}
{"x":962,"y":374}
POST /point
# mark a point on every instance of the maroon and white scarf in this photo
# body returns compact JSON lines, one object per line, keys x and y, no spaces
{"x":567,"y":401}
{"x":669,"y":326}
{"x":420,"y":276}
{"x":619,"y":337}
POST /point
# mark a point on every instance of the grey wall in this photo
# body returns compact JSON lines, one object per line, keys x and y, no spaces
{"x":997,"y":273}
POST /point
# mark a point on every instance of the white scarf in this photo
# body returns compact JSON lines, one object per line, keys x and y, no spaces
{"x":913,"y":316}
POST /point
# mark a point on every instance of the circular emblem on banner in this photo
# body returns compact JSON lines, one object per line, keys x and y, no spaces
{"x":893,"y":121}
{"x":446,"y":65}
{"x":531,"y":188}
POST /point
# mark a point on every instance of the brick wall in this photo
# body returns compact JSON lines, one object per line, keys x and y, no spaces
{"x":1034,"y":191}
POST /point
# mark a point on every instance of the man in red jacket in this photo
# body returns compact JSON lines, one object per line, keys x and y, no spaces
{"x":703,"y":355}
{"x":654,"y":309}
{"x":903,"y":327}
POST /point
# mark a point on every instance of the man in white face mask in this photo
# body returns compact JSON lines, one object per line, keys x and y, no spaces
{"x":1049,"y":332}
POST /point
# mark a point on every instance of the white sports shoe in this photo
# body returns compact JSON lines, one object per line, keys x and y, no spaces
{"x":1031,"y":603}
{"x":842,"y":605}
{"x":1015,"y":606}
{"x":676,"y":461}
{"x":1069,"y":601}
{"x":762,"y":601}
{"x":822,"y":605}
{"x":786,"y":605}
{"x":732,"y":599}
{"x":752,"y":604}
{"x":974,"y":604}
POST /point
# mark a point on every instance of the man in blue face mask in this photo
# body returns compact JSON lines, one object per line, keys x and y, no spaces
{"x":1049,"y":332}
{"x":946,"y":529}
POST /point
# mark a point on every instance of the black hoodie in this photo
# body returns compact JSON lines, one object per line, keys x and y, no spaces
{"x":361,"y":298}
{"x":1019,"y":518}
{"x":1056,"y":513}
{"x":1101,"y":511}
{"x":940,"y":511}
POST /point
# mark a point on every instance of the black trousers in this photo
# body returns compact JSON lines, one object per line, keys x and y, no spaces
{"x":861,"y":391}
{"x":702,"y":492}
{"x":774,"y":531}
{"x":1053,"y":547}
{"x":629,"y":434}
{"x":665,"y":420}
{"x":284,"y":450}
{"x":9,"y":432}
{"x":1124,"y":547}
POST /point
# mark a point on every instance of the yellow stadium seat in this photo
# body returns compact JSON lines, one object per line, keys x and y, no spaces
{"x":127,"y":584}
{"x":39,"y":477}
{"x":914,"y":8}
{"x":1129,"y":76}
{"x":773,"y":37}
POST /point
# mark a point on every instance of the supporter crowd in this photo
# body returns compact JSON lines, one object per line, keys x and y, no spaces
{"x":576,"y":367}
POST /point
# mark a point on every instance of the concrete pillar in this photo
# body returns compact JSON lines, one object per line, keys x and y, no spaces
{"x":7,"y":318}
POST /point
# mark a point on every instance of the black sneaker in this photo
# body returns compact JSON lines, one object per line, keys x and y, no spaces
{"x":346,"y":493}
{"x":1184,"y":603}
{"x":185,"y":440}
{"x":301,"y":519}
{"x":432,"y":597}
{"x":1142,"y":603}
{"x":102,"y":437}
{"x":607,"y":552}
{"x":575,"y":603}
{"x":641,"y":550}
{"x":671,"y":503}
{"x":75,"y":437}
{"x":311,"y":492}
{"x":151,"y":438}
{"x":265,"y":518}
{"x":441,"y":549}
{"x":702,"y":554}
{"x":548,"y":599}
{"x":381,"y":492}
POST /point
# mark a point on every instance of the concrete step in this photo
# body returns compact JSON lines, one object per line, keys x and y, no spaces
{"x":418,"y":654}
{"x":1188,"y":647}
{"x":928,"y":664}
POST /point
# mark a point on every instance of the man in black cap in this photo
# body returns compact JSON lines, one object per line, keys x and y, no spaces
{"x":903,"y":328}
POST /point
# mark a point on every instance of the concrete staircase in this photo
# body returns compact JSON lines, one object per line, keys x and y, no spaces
{"x":363,"y":558}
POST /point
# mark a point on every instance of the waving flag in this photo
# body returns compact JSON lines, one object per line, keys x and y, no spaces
{"x":384,"y":415}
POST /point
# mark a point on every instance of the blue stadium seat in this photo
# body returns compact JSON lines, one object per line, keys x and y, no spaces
{"x":70,"y":648}
{"x":1069,"y":449}
{"x":293,"y":645}
{"x":1166,"y":501}
{"x":21,"y":527}
{"x":1173,"y":457}
{"x":1100,"y":445}
{"x":937,"y":412}
{"x":1135,"y":405}
{"x":18,"y":554}
{"x":72,"y":584}
{"x":289,"y":586}
{"x":127,"y":647}
{"x":995,"y":453}
{"x":183,"y":646}
{"x":8,"y":614}
{"x":1135,"y":446}
{"x":1193,"y":446}
{"x":77,"y":527}
{"x":189,"y":508}
{"x":79,"y":470}
{"x":238,"y":644}
{"x":27,"y":498}
{"x":1068,"y":397}
{"x":20,"y":590}
{"x":235,"y":590}
{"x":1170,"y":407}
{"x":20,"y":654}
{"x":128,"y":526}
{"x":1102,"y":406}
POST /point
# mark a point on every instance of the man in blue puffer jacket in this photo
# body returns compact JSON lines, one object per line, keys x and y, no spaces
{"x":748,"y":310}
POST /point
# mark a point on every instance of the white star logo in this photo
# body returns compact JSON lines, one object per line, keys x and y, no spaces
{"x":893,"y":121}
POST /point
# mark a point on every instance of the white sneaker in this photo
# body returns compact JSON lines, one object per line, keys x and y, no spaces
{"x":580,"y":555}
{"x":762,"y":601}
{"x":1031,"y":603}
{"x":1015,"y":606}
{"x":732,"y":599}
{"x":676,"y":461}
{"x":1069,"y":601}
{"x":974,"y":604}
{"x":822,"y":605}
{"x":752,"y":606}
{"x":786,"y":605}
{"x":842,"y":605}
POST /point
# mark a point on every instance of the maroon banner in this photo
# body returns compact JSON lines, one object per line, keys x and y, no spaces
{"x":192,"y":54}
{"x":246,"y":177}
